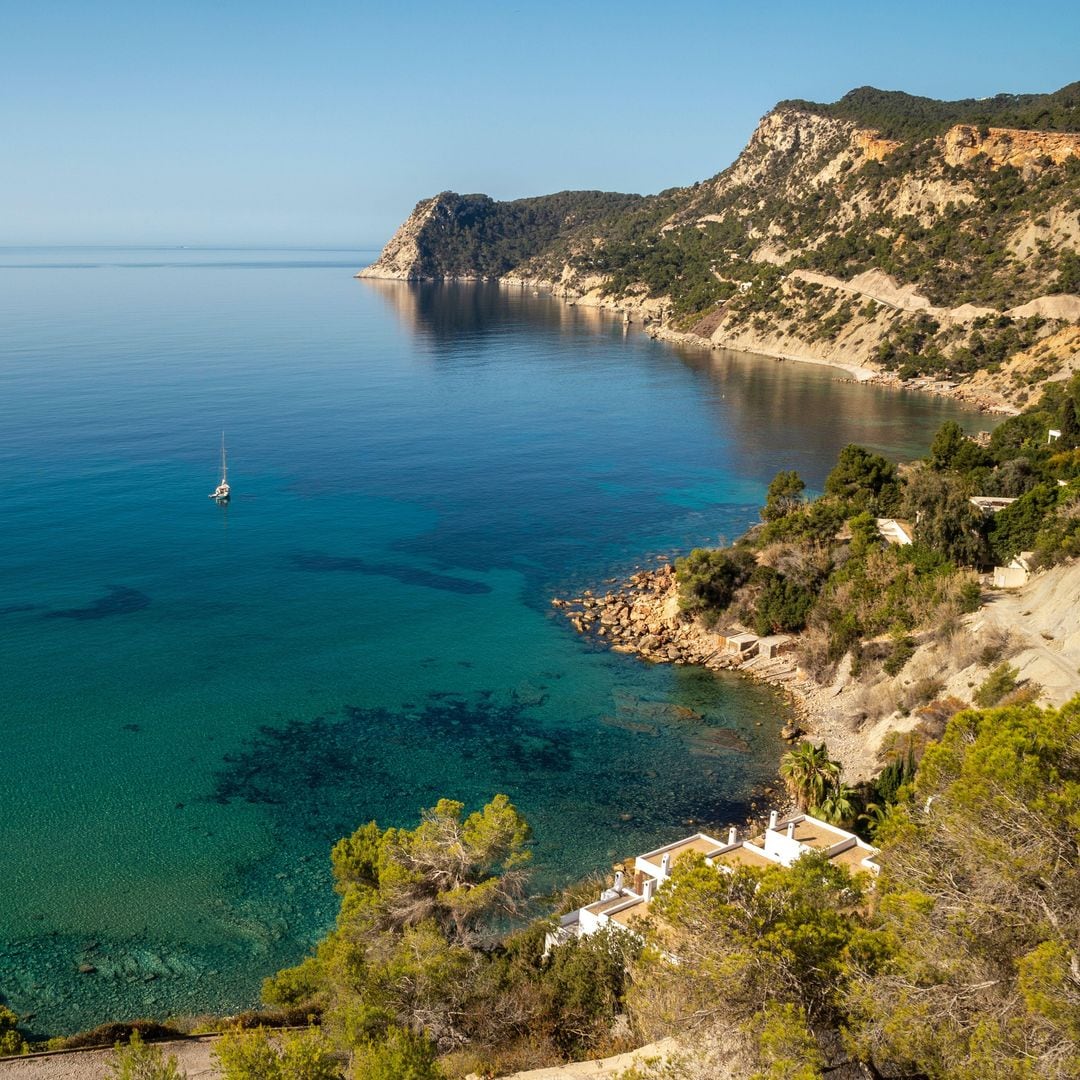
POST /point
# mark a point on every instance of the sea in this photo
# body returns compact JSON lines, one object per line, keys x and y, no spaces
{"x":198,"y":700}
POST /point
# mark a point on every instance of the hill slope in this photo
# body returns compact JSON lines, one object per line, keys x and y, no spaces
{"x":922,"y":240}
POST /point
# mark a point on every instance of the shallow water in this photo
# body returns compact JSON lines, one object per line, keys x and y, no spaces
{"x":199,"y":700}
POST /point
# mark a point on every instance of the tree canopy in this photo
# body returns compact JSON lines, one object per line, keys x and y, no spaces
{"x":980,"y":894}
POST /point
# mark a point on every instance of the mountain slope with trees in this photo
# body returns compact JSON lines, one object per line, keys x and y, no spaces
{"x":921,"y":240}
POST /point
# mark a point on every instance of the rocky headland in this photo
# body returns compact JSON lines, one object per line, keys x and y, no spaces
{"x":940,"y":253}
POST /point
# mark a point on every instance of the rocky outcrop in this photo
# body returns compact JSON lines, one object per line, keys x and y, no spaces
{"x":642,"y":616}
{"x":872,"y":146}
{"x":404,"y":258}
{"x":1024,"y":150}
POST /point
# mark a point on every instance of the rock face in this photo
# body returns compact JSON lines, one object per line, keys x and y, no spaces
{"x":641,"y":615}
{"x":403,"y":258}
{"x":1026,"y":150}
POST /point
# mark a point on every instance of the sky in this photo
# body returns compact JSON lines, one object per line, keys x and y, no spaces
{"x":318,"y":123}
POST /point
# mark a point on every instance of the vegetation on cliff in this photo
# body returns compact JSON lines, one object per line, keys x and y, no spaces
{"x":962,"y":962}
{"x":897,"y":115}
{"x":475,"y":236}
{"x":823,"y":567}
{"x":962,"y":217}
{"x":417,"y":965}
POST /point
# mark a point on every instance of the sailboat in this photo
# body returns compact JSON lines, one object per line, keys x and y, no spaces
{"x":221,"y":493}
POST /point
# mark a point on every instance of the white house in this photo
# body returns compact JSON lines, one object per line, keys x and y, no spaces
{"x":780,"y":845}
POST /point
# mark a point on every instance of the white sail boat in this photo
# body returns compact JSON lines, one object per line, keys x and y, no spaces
{"x":221,"y":493}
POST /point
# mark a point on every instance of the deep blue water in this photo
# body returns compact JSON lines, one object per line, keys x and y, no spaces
{"x":199,"y":700}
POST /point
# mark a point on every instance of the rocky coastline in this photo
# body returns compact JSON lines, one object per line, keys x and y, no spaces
{"x":641,"y":616}
{"x":650,"y":316}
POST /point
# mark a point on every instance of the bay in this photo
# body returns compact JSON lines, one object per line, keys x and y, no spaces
{"x":199,"y":700}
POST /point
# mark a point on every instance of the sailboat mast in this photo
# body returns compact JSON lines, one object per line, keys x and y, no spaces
{"x":224,"y":467}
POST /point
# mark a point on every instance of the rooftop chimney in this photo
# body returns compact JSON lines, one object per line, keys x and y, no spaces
{"x":773,"y":815}
{"x":732,"y":835}
{"x":791,"y":830}
{"x":665,"y":865}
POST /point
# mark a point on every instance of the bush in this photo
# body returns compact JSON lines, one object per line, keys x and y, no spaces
{"x":401,"y":1055}
{"x":782,"y":605}
{"x":708,"y":580}
{"x":920,"y":692}
{"x":11,"y":1042}
{"x":137,"y":1061}
{"x":902,"y":651}
{"x":1001,"y":681}
{"x":970,"y":596}
{"x":254,"y":1055}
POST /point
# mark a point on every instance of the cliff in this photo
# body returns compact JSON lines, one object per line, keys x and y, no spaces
{"x":901,"y":236}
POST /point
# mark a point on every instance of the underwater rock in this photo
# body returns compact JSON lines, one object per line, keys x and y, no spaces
{"x":119,"y":600}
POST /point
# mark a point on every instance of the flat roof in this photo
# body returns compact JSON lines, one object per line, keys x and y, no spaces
{"x":630,"y":913}
{"x":701,"y":843}
{"x":815,"y":833}
{"x":744,"y":856}
{"x":599,"y":907}
{"x":853,"y":857}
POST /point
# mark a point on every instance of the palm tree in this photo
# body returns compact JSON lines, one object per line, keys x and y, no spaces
{"x":871,"y":819}
{"x":809,"y":774}
{"x":840,"y":805}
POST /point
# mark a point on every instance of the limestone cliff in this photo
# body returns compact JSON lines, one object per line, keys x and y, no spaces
{"x":403,"y":258}
{"x":885,"y":233}
{"x":1006,"y":146}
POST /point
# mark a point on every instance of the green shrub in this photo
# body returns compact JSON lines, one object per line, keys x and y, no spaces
{"x":1001,"y":681}
{"x":708,"y":580}
{"x":902,"y":651}
{"x":139,"y":1061}
{"x":256,"y":1055}
{"x":11,"y":1041}
{"x":401,"y":1055}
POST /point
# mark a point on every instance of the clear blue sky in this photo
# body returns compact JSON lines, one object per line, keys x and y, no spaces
{"x":323,"y":123}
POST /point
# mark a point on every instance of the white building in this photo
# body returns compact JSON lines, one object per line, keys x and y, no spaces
{"x":894,"y":531}
{"x":780,"y":845}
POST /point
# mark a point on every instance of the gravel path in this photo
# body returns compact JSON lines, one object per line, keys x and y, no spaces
{"x":193,"y":1055}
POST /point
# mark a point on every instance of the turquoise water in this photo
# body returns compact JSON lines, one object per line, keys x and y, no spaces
{"x":199,"y":700}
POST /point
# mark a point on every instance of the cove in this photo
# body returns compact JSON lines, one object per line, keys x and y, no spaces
{"x":199,"y":700}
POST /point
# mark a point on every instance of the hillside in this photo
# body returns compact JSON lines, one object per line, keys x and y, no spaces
{"x":936,"y":243}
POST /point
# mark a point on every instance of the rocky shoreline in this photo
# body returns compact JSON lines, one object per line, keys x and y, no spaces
{"x":641,"y":616}
{"x":650,"y":315}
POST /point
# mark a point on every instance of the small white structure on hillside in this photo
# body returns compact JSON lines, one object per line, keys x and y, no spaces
{"x":1017,"y":573}
{"x":769,"y":648}
{"x":990,"y":504}
{"x":780,"y":845}
{"x":893,"y":531}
